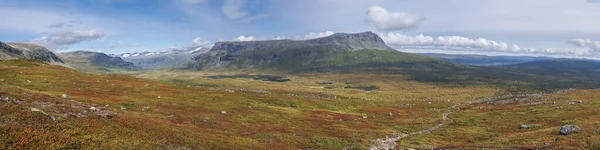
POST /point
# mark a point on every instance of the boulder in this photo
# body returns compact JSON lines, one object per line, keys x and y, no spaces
{"x":146,"y":108}
{"x":223,"y":112}
{"x":65,"y":96}
{"x":568,"y":129}
{"x":35,"y":110}
{"x":525,"y":126}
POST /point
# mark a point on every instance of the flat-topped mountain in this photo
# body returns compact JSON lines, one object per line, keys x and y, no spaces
{"x":95,"y":61}
{"x":27,"y":51}
{"x":338,"y":41}
{"x":335,"y":51}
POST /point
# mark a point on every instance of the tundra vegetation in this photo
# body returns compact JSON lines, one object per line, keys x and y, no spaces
{"x":53,"y":107}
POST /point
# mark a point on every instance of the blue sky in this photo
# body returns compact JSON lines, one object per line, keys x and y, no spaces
{"x":560,"y":28}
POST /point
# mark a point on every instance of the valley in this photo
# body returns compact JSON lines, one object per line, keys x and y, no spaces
{"x":344,"y":91}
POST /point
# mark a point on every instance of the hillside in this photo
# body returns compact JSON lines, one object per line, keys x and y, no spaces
{"x":96,"y":62}
{"x":27,"y":51}
{"x":338,"y":50}
{"x":120,"y":111}
{"x":560,"y":66}
{"x":483,"y":60}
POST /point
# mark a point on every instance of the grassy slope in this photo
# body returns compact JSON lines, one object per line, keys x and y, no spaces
{"x":293,"y":115}
{"x":186,"y":116}
{"x":497,"y":125}
{"x":84,"y":64}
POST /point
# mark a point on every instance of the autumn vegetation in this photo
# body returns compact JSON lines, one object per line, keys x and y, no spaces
{"x":186,"y":110}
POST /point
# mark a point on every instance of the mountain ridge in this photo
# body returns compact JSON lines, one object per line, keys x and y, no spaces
{"x":88,"y":60}
{"x":27,"y":51}
{"x":560,"y":65}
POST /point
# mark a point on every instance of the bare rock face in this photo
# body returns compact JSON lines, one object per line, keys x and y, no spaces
{"x":27,"y":51}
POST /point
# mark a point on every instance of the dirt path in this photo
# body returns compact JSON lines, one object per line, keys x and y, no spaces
{"x":389,"y":143}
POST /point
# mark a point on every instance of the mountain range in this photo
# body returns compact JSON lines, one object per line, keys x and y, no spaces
{"x":161,"y":60}
{"x":339,"y":53}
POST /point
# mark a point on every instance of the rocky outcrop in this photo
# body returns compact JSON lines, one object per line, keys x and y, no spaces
{"x":568,"y":129}
{"x":27,"y":51}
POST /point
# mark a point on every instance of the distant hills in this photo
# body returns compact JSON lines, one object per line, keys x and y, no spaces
{"x":483,"y":60}
{"x":559,"y":66}
{"x":96,"y":62}
{"x":162,"y":60}
{"x":27,"y":51}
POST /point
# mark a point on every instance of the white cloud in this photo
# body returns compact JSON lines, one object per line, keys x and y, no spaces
{"x":64,"y":39}
{"x":314,"y":35}
{"x":463,"y":44}
{"x":384,"y":20}
{"x":399,"y":39}
{"x":593,"y":46}
{"x":279,"y":38}
{"x":198,"y":42}
{"x":245,"y":38}
{"x":233,"y":9}
{"x":447,"y":42}
{"x":192,"y":2}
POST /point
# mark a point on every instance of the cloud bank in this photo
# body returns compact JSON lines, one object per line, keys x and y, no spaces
{"x":61,"y":40}
{"x":593,"y":46}
{"x":457,"y":42}
{"x":388,"y":21}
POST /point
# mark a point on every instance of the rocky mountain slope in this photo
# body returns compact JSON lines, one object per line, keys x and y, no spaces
{"x":335,"y":51}
{"x":27,"y":51}
{"x":90,"y":61}
{"x":161,"y":60}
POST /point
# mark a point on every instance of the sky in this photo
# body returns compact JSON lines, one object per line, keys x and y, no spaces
{"x":557,"y":28}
